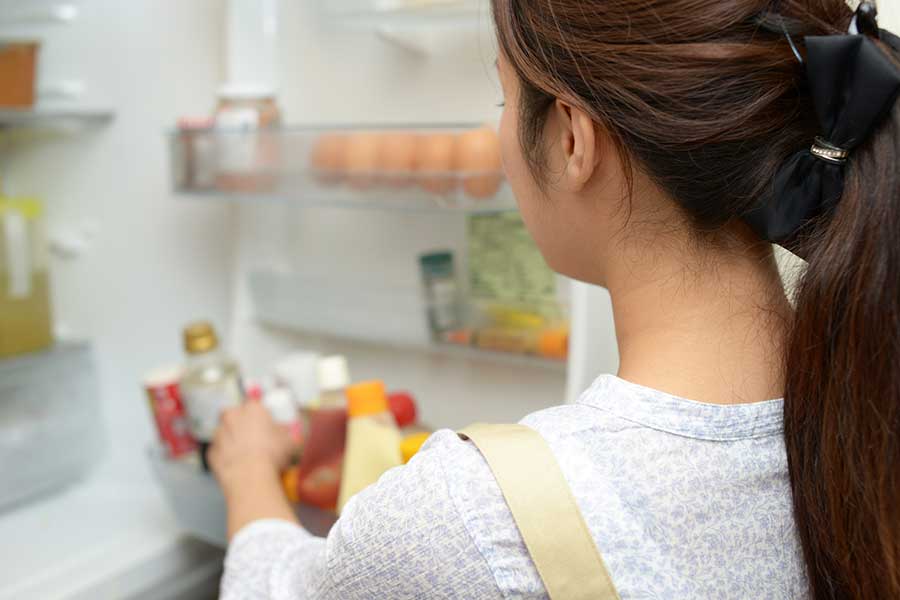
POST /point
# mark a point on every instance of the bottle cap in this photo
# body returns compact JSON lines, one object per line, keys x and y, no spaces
{"x":200,"y":337}
{"x":554,"y":343}
{"x":411,"y":445}
{"x":403,"y":406}
{"x":437,"y":264}
{"x":333,"y":373}
{"x":366,"y":398}
{"x":299,"y":373}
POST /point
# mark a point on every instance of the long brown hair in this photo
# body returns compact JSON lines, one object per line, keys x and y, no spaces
{"x":708,"y":99}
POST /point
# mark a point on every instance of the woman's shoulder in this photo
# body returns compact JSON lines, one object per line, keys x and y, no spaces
{"x":478,"y":502}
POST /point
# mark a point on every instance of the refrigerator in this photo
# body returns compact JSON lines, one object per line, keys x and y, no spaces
{"x":136,"y":252}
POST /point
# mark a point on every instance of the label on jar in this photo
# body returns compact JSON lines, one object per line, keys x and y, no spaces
{"x":238,"y":151}
{"x":170,"y":416}
{"x":206,"y":403}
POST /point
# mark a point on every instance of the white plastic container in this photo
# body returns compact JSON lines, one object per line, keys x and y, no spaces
{"x":298,"y":372}
{"x":51,"y":430}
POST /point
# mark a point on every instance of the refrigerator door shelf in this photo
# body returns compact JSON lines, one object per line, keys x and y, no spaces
{"x":199,"y":506}
{"x":53,"y":119}
{"x":349,"y":166}
{"x":388,"y":317}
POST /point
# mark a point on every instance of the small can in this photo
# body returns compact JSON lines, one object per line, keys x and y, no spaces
{"x":164,"y":394}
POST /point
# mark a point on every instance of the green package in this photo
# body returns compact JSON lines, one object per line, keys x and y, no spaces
{"x":505,"y":265}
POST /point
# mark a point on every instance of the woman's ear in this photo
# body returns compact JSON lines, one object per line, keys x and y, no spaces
{"x":579,"y":145}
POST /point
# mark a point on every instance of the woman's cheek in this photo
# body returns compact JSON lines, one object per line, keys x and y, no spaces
{"x":514,"y":165}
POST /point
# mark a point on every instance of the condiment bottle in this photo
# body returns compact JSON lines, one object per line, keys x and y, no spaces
{"x":211,"y":383}
{"x":441,"y":292}
{"x":373,"y":440}
{"x":280,"y":404}
{"x":319,"y":478}
{"x":406,"y":413}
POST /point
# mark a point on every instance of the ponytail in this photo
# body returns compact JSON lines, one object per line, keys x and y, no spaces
{"x":842,"y":397}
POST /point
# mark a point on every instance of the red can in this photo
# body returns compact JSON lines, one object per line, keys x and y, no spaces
{"x":171,"y":419}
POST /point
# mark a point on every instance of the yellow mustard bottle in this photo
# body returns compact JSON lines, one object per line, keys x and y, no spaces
{"x":373,"y":440}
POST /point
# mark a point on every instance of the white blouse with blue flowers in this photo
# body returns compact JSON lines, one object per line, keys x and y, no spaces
{"x":684,"y":500}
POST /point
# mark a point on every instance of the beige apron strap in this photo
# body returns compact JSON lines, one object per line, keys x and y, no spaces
{"x":545,"y":512}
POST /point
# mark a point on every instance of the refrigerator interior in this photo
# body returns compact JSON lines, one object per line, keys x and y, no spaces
{"x":133,"y":261}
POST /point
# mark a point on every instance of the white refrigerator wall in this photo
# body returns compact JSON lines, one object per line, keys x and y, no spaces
{"x":156,"y":261}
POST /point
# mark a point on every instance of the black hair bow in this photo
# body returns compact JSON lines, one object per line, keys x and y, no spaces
{"x":854,"y":85}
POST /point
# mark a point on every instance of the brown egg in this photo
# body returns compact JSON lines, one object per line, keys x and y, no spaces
{"x":397,"y":157}
{"x":478,"y":159}
{"x":436,"y":162}
{"x":328,"y":155}
{"x":361,"y":159}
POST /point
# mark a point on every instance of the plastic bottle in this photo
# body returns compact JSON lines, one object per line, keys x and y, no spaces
{"x":406,"y":414}
{"x":280,"y":404}
{"x":319,"y":477}
{"x":373,"y":440}
{"x":211,"y":383}
{"x":441,"y":292}
{"x":298,"y":372}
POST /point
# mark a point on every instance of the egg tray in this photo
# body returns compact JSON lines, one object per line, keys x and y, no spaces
{"x":393,"y":168}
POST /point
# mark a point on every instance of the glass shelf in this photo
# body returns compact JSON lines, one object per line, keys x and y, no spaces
{"x":48,"y":399}
{"x":53,"y":118}
{"x":379,"y":168}
{"x":392,"y":317}
{"x":409,"y":14}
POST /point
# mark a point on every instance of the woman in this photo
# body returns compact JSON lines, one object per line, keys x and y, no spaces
{"x":655,"y":148}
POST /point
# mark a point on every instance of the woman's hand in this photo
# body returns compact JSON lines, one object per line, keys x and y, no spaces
{"x":248,"y":440}
{"x":247,"y":455}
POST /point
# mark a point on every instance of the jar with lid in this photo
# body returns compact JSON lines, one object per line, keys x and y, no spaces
{"x":441,"y":292}
{"x":247,"y":118}
{"x":25,"y":323}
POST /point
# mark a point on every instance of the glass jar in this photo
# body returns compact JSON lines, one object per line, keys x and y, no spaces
{"x":247,"y":120}
{"x":25,"y":323}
